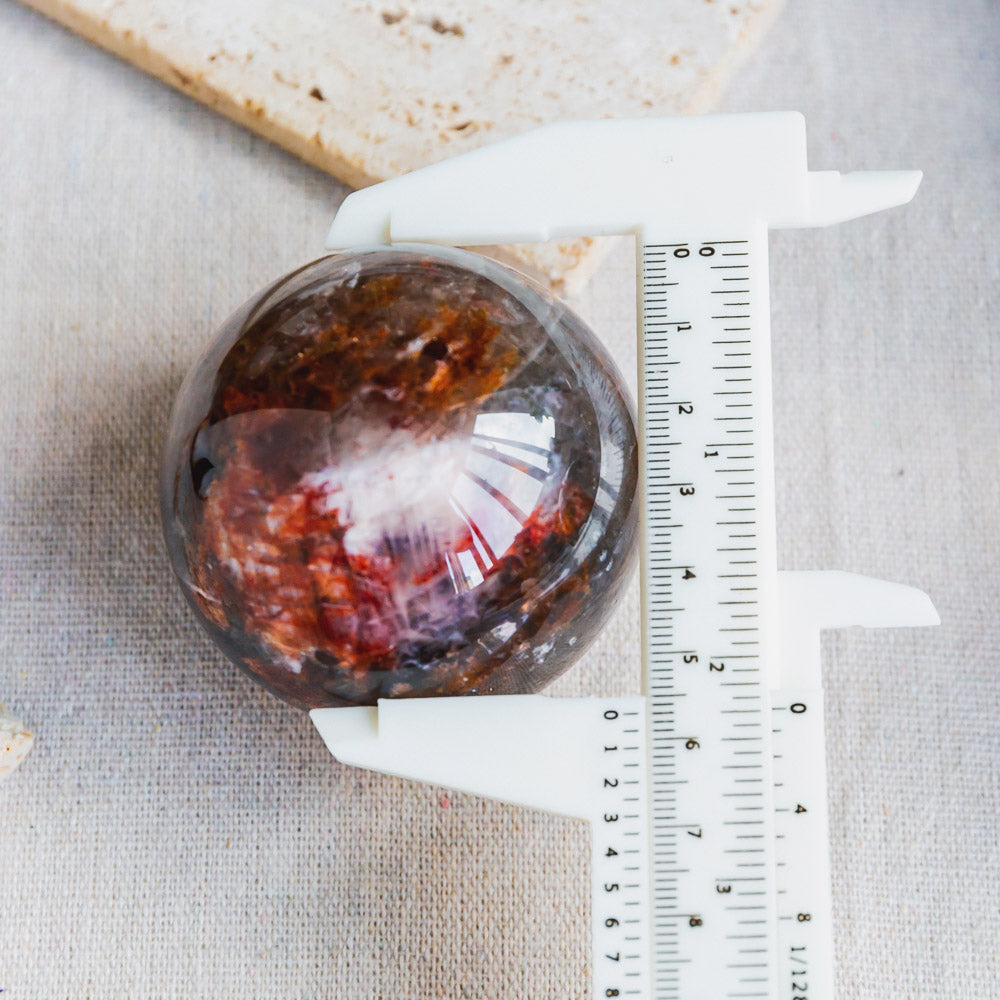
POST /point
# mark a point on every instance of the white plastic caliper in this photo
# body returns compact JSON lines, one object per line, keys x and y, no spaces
{"x":707,"y":794}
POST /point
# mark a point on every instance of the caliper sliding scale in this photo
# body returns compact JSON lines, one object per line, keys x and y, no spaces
{"x":707,"y":794}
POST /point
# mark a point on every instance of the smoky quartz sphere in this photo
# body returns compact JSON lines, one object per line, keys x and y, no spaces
{"x":398,"y":473}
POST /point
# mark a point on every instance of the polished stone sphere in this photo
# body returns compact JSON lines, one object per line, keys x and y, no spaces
{"x":401,"y":472}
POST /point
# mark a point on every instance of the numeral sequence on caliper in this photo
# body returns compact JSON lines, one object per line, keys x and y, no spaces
{"x":620,"y":849}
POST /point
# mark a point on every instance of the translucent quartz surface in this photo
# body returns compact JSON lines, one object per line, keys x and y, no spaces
{"x":399,"y":473}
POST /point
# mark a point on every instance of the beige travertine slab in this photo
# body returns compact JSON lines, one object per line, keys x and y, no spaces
{"x":370,"y":90}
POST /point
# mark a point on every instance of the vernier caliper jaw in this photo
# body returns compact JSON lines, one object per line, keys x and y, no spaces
{"x":610,"y":177}
{"x":605,"y":178}
{"x":540,"y":738}
{"x":527,"y":750}
{"x":813,"y":601}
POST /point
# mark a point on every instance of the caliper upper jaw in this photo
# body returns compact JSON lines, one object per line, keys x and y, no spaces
{"x":810,"y":601}
{"x":602,"y":178}
{"x":834,"y":197}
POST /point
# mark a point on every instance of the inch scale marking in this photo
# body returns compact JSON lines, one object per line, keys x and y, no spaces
{"x":706,"y":795}
{"x":709,"y":540}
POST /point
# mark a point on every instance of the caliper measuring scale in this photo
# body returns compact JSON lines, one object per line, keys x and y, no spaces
{"x":706,"y":794}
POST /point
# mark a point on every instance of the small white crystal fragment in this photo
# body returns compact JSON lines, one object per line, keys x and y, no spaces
{"x":15,"y":742}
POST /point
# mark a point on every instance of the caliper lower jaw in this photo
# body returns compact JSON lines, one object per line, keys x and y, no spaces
{"x":535,"y":751}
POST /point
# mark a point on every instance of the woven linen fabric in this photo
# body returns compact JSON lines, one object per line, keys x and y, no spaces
{"x":177,"y":832}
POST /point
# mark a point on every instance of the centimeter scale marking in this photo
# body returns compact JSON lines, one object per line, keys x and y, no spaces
{"x":709,"y":574}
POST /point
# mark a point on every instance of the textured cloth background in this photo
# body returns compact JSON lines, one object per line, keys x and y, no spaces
{"x":178,"y":833}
